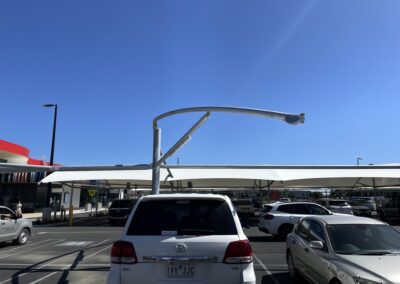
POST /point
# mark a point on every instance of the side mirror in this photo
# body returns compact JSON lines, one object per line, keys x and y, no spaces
{"x":316,"y":245}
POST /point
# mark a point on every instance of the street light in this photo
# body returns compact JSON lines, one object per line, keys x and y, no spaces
{"x":158,"y":160}
{"x":52,"y":149}
{"x":358,"y":161}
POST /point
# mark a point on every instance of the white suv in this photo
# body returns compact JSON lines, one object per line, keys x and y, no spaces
{"x":182,"y":238}
{"x":279,"y":218}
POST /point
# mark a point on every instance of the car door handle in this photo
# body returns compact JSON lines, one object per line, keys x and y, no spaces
{"x":3,"y":223}
{"x":306,"y":249}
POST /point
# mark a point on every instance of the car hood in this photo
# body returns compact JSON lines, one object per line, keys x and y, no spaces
{"x":386,"y":266}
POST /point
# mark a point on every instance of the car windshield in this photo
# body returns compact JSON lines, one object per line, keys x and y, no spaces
{"x":364,"y":239}
{"x":183,"y":217}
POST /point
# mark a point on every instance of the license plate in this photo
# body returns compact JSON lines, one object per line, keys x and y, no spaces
{"x":180,"y":271}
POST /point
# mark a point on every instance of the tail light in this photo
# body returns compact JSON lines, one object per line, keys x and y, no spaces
{"x":239,"y":252}
{"x":123,"y":252}
{"x":268,"y":216}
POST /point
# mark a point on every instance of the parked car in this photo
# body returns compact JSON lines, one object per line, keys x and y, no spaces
{"x":119,"y":211}
{"x":182,"y":238}
{"x":360,"y":209}
{"x":14,"y":228}
{"x":366,"y":201}
{"x":336,"y":205}
{"x":344,"y":249}
{"x":390,"y":210}
{"x":285,"y":199}
{"x":279,"y":218}
{"x":244,"y":206}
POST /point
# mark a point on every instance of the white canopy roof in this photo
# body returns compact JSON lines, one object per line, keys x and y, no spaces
{"x":240,"y":176}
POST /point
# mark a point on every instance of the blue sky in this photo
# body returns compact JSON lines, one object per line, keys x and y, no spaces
{"x":112,"y":66}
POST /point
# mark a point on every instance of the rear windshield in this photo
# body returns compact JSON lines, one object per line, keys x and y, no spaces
{"x":182,"y":217}
{"x":125,"y":203}
{"x":267,"y":208}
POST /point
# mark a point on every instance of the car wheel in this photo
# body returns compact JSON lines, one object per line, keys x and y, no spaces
{"x":284,"y":230}
{"x":335,"y":281}
{"x":23,"y":237}
{"x":291,"y":266}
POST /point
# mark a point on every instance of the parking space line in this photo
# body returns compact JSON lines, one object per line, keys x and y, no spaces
{"x":24,"y":246}
{"x":49,"y":264}
{"x":77,"y":232}
{"x":59,"y":265}
{"x":266,"y":269}
{"x":97,"y":252}
{"x":69,"y":265}
{"x":5,"y":256}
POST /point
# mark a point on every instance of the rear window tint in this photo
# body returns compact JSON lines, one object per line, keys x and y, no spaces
{"x":125,"y":203}
{"x":182,"y":217}
{"x":285,"y":208}
{"x":267,"y":208}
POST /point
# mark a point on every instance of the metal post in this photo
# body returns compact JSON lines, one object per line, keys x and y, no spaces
{"x":71,"y":208}
{"x":53,"y":139}
{"x":97,"y":197}
{"x":155,"y":188}
{"x":158,"y":160}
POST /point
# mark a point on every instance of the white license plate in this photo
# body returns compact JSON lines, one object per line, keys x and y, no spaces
{"x":180,"y":271}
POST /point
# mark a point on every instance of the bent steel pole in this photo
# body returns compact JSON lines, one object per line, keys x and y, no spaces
{"x":157,"y":159}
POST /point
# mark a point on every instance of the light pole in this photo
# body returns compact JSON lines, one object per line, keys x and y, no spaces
{"x":158,"y":159}
{"x":358,"y":161}
{"x":52,"y":149}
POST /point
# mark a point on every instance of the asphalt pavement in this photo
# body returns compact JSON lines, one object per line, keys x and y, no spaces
{"x":81,"y":254}
{"x":59,"y":253}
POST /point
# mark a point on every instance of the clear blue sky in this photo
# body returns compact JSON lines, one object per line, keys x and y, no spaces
{"x":112,"y":66}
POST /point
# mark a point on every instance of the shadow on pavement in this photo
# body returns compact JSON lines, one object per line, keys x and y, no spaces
{"x":39,"y":267}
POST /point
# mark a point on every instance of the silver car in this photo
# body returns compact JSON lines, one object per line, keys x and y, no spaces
{"x":344,"y":249}
{"x":12,"y":228}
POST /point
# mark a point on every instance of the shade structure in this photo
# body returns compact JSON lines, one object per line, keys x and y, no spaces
{"x":240,"y":176}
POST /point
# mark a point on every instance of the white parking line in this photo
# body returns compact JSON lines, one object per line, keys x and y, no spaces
{"x":24,"y":246}
{"x":265,"y":269}
{"x":5,"y":256}
{"x":76,"y":232}
{"x":59,"y":265}
{"x":69,"y":265}
{"x":40,"y":267}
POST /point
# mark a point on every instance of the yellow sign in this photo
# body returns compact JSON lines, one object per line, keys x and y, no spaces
{"x":92,"y":192}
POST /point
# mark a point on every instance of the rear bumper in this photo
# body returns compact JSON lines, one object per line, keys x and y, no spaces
{"x":140,"y":272}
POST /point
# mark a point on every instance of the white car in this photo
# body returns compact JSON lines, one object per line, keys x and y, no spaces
{"x":336,"y":205}
{"x":14,"y":228}
{"x":344,"y":249}
{"x":182,"y":238}
{"x":279,"y":218}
